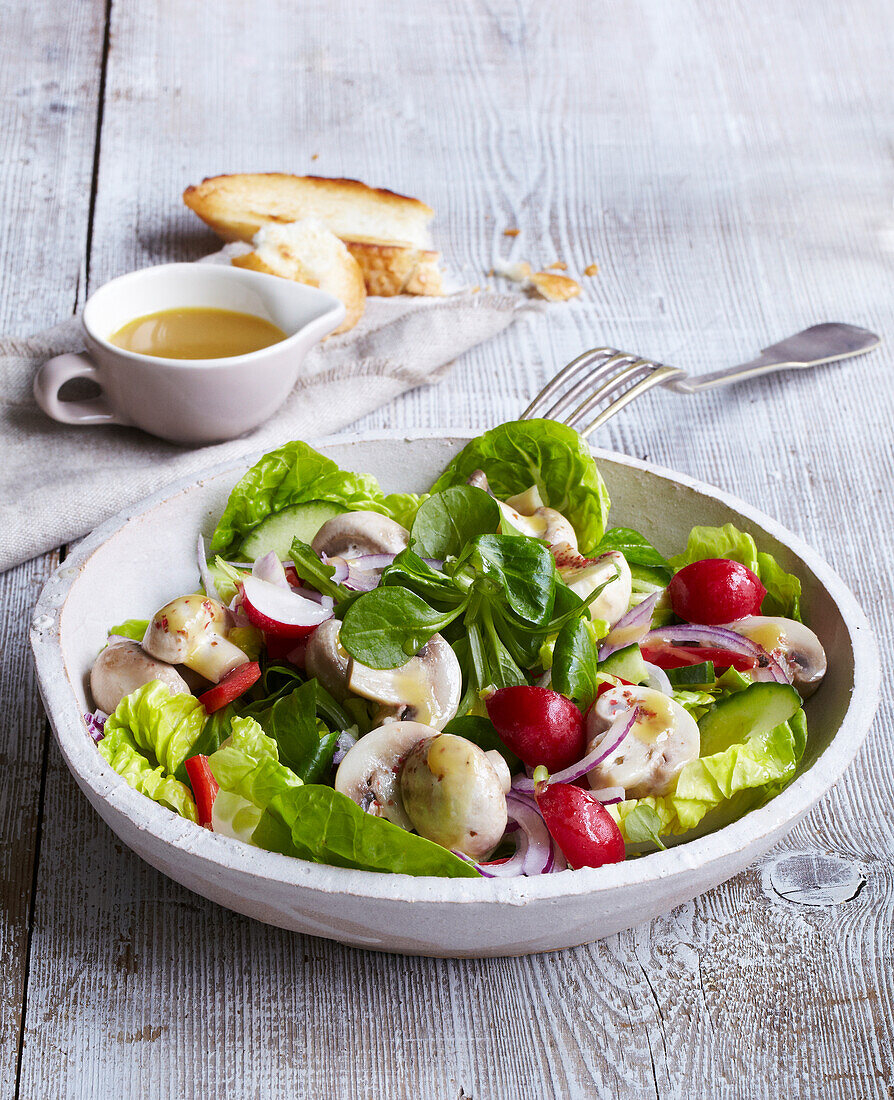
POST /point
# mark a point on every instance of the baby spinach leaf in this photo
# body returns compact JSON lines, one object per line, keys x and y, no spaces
{"x":385,"y":627}
{"x":523,"y":568}
{"x":408,"y":570}
{"x":317,"y":574}
{"x":575,"y":659}
{"x":643,"y":824}
{"x":449,"y":519}
{"x":322,"y":825}
{"x":635,"y":548}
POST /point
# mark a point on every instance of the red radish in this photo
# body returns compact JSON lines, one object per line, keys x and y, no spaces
{"x":281,"y":611}
{"x":539,"y":725}
{"x":681,"y":656}
{"x":231,"y":686}
{"x":715,"y":591}
{"x":204,"y":787}
{"x":581,"y":826}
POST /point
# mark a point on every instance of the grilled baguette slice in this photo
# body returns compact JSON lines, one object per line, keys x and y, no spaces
{"x":387,"y":234}
{"x":308,"y":253}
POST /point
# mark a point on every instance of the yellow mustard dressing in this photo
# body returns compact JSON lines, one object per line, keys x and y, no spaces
{"x":197,"y":333}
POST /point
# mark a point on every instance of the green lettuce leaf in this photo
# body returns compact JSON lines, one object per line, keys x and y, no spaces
{"x":131,"y":628}
{"x":740,"y":778}
{"x":544,"y":453}
{"x":248,"y":764}
{"x":164,"y":727}
{"x":294,"y":474}
{"x":783,"y":589}
{"x":638,"y":551}
{"x":322,"y":825}
{"x":120,"y":750}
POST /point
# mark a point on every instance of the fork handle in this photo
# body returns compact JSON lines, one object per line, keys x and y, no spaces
{"x":764,"y":364}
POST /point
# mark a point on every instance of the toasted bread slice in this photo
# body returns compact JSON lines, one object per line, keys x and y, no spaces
{"x":387,"y":234}
{"x":308,"y":253}
{"x":396,"y":268}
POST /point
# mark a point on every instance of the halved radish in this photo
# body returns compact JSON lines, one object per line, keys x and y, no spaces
{"x":281,"y":611}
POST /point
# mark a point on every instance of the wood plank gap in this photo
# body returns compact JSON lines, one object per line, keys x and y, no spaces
{"x":97,"y":143}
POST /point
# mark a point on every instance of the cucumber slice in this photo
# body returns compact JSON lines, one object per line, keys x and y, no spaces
{"x":298,"y":521}
{"x":627,"y":663}
{"x":749,"y":713}
{"x":692,"y":675}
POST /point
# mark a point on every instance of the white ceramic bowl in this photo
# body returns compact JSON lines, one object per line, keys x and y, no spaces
{"x":145,"y":556}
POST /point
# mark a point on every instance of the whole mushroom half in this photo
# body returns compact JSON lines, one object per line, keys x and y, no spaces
{"x":664,"y":737}
{"x":792,"y":643}
{"x":125,"y":666}
{"x":453,"y":795}
{"x":526,"y":513}
{"x":360,"y":534}
{"x":191,"y":631}
{"x":426,"y":689}
{"x":370,"y":771}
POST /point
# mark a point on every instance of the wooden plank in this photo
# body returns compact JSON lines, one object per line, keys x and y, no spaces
{"x":723,"y":172}
{"x":49,"y":58}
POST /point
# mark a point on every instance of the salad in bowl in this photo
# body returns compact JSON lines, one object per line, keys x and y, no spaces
{"x":483,"y":680}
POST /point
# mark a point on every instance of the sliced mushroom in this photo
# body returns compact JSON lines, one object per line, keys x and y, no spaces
{"x":191,"y":631}
{"x":790,"y":642}
{"x":370,"y":771}
{"x":359,"y":534}
{"x":426,"y":689}
{"x":124,"y":667}
{"x":663,"y":739}
{"x":325,"y":660}
{"x":453,"y":795}
{"x":582,"y":575}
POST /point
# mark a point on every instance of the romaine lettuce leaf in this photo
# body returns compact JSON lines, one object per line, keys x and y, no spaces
{"x":131,"y":628}
{"x":164,"y":727}
{"x":760,"y":766}
{"x":120,"y":750}
{"x":783,"y":589}
{"x":544,"y":453}
{"x":293,"y":474}
{"x":322,"y":825}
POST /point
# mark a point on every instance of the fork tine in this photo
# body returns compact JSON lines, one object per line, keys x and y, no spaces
{"x":569,"y":399}
{"x":552,"y":388}
{"x":658,"y":375}
{"x":608,"y":389}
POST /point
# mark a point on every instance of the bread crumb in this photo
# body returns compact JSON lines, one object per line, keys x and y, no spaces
{"x":591,"y":269}
{"x":559,"y":265}
{"x":555,"y":288}
{"x":517,"y":272}
{"x":475,"y":289}
{"x":511,"y":232}
{"x":316,"y":156}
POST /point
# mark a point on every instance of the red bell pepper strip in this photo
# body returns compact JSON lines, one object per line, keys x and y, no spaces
{"x":231,"y":687}
{"x":204,"y":787}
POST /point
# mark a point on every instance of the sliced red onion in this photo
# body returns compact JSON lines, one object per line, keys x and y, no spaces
{"x":240,"y":565}
{"x":269,"y":568}
{"x":343,"y":744}
{"x":95,"y":723}
{"x":205,"y":573}
{"x":658,"y":679}
{"x":609,"y":796}
{"x":604,"y":747}
{"x":695,"y":636}
{"x":339,"y":565}
{"x":629,"y":629}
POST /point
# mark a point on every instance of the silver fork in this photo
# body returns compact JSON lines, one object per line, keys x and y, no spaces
{"x":622,"y":377}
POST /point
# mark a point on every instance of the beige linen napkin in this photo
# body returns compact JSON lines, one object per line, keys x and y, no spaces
{"x":58,"y":481}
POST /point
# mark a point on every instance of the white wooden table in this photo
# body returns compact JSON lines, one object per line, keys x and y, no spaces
{"x":728,"y":167}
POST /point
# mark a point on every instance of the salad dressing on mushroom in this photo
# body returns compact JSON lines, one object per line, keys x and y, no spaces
{"x":487,"y":680}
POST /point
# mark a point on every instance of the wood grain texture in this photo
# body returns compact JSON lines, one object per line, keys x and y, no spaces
{"x":726,"y":168}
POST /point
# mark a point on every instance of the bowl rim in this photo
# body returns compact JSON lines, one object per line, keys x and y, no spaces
{"x":91,"y":770}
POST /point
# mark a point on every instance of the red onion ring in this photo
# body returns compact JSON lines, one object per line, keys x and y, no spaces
{"x":717,"y":637}
{"x":639,"y":617}
{"x":612,"y":738}
{"x":205,"y":573}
